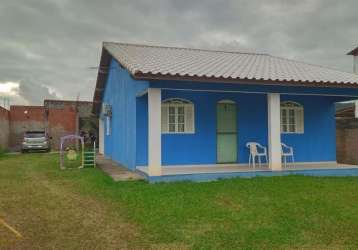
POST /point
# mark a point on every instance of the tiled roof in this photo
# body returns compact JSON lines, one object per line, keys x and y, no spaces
{"x":170,"y":63}
{"x":145,"y":61}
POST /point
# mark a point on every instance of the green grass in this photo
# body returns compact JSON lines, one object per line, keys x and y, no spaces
{"x":81,"y":209}
{"x":3,"y":151}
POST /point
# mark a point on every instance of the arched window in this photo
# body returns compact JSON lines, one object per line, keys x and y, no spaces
{"x":177,"y":116}
{"x":292,"y":117}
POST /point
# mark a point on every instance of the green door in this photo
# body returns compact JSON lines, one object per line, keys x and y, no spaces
{"x":226,"y":132}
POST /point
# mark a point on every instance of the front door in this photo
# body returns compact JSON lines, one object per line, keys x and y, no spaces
{"x":226,"y":132}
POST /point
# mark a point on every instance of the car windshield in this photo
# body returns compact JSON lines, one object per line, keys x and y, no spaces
{"x":35,"y":135}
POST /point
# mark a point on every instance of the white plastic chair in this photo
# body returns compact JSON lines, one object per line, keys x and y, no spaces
{"x":286,"y":152}
{"x":256,"y":150}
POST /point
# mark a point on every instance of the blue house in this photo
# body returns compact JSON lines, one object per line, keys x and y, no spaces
{"x":188,"y":114}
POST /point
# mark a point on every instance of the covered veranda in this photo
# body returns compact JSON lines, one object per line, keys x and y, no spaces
{"x":156,"y":167}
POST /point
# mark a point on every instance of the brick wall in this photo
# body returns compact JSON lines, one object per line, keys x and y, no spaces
{"x":347,"y":140}
{"x":4,"y":128}
{"x":22,"y":119}
{"x":61,"y":120}
{"x":57,"y":118}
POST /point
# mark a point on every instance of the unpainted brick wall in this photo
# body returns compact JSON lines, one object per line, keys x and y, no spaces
{"x":61,"y":120}
{"x":347,"y":140}
{"x":56,"y":117}
{"x":4,"y":128}
{"x":24,"y":118}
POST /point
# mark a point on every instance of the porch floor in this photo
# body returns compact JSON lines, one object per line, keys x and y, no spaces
{"x":242,"y":168}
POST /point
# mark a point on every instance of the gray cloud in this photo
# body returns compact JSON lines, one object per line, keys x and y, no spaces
{"x":31,"y":92}
{"x":48,"y":46}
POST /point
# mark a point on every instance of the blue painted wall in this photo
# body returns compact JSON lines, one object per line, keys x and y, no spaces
{"x":318,"y":142}
{"x":121,"y":91}
{"x":200,"y":148}
{"x":128,"y":142}
{"x":142,"y":131}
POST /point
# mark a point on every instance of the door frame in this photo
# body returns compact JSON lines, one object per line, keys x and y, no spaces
{"x":227,"y":101}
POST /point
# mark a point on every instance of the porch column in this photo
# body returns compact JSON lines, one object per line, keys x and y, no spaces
{"x":274,"y":131}
{"x":101,"y":135}
{"x":154,"y":132}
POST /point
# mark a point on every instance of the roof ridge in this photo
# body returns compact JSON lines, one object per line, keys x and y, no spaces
{"x":312,"y":64}
{"x":186,"y":48}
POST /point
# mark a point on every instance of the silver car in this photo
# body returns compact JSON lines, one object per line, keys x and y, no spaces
{"x":35,"y":140}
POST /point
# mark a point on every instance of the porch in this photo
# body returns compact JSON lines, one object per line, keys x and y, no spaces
{"x":219,"y":124}
{"x":222,"y":171}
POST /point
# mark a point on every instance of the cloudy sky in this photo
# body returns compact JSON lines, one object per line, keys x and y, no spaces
{"x":48,"y":48}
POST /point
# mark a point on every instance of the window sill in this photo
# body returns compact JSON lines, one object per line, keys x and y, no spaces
{"x":178,"y":133}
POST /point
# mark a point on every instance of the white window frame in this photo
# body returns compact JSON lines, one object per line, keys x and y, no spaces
{"x":188,"y":110}
{"x":298,"y":110}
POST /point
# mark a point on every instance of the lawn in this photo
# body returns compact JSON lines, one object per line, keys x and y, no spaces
{"x":84,"y":209}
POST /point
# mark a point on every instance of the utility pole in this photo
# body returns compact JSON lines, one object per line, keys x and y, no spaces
{"x":77,"y":118}
{"x":77,"y":115}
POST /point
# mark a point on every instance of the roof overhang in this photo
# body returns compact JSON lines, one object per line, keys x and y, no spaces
{"x":101,"y":80}
{"x":159,"y":77}
{"x":353,"y":52}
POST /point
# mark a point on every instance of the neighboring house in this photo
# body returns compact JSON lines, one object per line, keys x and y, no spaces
{"x":24,"y":118}
{"x":69,"y":117}
{"x":347,"y":132}
{"x":177,"y":113}
{"x":56,"y":117}
{"x":346,"y":110}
